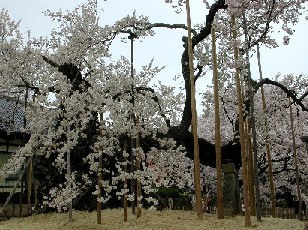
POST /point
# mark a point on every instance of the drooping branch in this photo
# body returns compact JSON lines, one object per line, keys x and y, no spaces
{"x":141,"y":90}
{"x":154,"y":98}
{"x":285,"y":162}
{"x":34,"y":88}
{"x":267,"y":27}
{"x":27,"y":85}
{"x":224,"y":108}
{"x":290,"y":93}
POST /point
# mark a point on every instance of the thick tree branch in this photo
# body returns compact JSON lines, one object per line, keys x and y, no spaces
{"x":204,"y":33}
{"x":72,"y":72}
{"x":156,"y":25}
{"x":50,"y":62}
{"x":141,"y":90}
{"x":290,"y":93}
{"x":200,"y":68}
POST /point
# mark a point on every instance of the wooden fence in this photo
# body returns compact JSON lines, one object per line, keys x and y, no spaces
{"x":285,"y":213}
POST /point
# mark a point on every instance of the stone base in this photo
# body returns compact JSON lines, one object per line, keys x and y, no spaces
{"x":229,"y":212}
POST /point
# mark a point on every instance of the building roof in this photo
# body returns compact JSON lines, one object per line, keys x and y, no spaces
{"x":11,"y":114}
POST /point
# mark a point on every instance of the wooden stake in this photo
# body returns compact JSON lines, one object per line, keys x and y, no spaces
{"x":125,"y":181}
{"x":194,"y":119}
{"x":220,"y":198}
{"x":99,"y":180}
{"x":299,"y":197}
{"x":29,"y":169}
{"x":132,"y":158}
{"x":241,"y":127}
{"x":250,"y":167}
{"x":69,"y":176}
{"x":29,"y":181}
{"x":252,"y":121}
{"x":132,"y":170}
{"x":138,"y":170}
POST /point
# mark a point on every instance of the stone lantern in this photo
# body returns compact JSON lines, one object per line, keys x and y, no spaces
{"x":305,"y":140}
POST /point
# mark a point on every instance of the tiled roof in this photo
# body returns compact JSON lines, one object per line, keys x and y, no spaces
{"x":11,"y":115}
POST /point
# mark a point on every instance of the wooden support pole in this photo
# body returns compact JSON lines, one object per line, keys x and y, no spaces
{"x":69,"y":176}
{"x":138,"y":160}
{"x":125,"y":181}
{"x":241,"y":127}
{"x":194,"y":119}
{"x":220,"y":197}
{"x":267,"y":142}
{"x":250,"y":170}
{"x":132,"y":170}
{"x":253,"y":125}
{"x":299,"y":196}
{"x":99,"y":178}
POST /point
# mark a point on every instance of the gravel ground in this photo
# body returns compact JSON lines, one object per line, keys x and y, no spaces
{"x":168,"y":219}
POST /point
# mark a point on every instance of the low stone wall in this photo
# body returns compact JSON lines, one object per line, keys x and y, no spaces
{"x":17,"y":210}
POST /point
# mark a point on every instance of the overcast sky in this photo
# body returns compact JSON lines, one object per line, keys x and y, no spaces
{"x":166,"y":46}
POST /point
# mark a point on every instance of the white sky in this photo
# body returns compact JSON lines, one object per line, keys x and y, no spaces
{"x":166,"y":46}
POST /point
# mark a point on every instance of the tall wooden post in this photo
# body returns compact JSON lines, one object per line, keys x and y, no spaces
{"x":267,"y":142}
{"x":29,"y":168}
{"x":138,"y":160}
{"x":99,"y":178}
{"x":69,"y":176}
{"x":250,"y":172}
{"x":299,"y":196}
{"x":132,"y":158}
{"x":253,"y":125}
{"x":132,"y":170}
{"x":241,"y":127}
{"x":125,"y":181}
{"x":99,"y":194}
{"x":194,"y":119}
{"x":220,"y":198}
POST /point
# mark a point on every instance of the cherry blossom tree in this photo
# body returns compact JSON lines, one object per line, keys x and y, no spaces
{"x":74,"y":65}
{"x":83,"y":84}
